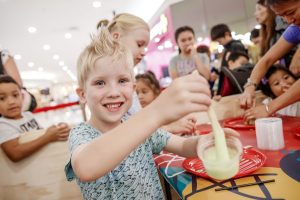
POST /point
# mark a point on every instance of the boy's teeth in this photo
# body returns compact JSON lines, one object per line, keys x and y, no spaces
{"x":113,"y":105}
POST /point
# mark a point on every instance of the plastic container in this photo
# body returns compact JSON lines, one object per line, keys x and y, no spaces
{"x":220,"y":169}
{"x":269,"y":133}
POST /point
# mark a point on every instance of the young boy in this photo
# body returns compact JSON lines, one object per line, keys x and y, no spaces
{"x":111,"y":154}
{"x":13,"y":122}
{"x":222,"y":34}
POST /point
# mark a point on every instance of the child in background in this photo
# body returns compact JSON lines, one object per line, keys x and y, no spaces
{"x":222,"y":34}
{"x":277,"y":81}
{"x":147,"y":89}
{"x":188,"y":59}
{"x":133,"y":32}
{"x":14,"y":122}
{"x":112,"y":154}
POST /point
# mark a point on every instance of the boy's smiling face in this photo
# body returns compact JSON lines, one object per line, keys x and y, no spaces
{"x":10,"y":101}
{"x":108,"y":92}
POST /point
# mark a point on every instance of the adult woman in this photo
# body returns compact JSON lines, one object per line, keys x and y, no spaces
{"x":290,"y":10}
{"x":9,"y":67}
{"x":272,"y":27}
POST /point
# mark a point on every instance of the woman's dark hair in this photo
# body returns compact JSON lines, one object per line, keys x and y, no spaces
{"x":265,"y":85}
{"x":150,"y":80}
{"x":277,"y":2}
{"x":254,"y":33}
{"x":204,"y":49}
{"x":180,"y":30}
{"x":267,"y":29}
{"x":236,"y":54}
{"x":219,"y":31}
{"x":8,"y":79}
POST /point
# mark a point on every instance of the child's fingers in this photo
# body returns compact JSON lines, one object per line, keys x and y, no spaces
{"x":231,"y":132}
{"x":200,"y":99}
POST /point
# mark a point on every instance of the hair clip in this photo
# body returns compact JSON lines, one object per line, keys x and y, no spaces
{"x":264,"y":81}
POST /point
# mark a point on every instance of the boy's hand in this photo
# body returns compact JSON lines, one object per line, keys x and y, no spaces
{"x":185,"y":95}
{"x":58,"y":133}
{"x":185,"y":125}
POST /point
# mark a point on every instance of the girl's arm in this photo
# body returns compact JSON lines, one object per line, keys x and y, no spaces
{"x":287,"y":98}
{"x":16,"y":151}
{"x":12,"y":70}
{"x":201,"y":67}
{"x":173,"y":74}
{"x":280,"y":48}
{"x":103,"y":154}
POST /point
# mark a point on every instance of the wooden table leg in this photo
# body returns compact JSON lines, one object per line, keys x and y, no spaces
{"x":168,"y":189}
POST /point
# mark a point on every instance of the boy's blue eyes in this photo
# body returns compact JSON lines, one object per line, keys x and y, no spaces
{"x":102,"y":83}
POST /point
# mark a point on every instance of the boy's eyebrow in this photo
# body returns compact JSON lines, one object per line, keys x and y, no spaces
{"x":3,"y":93}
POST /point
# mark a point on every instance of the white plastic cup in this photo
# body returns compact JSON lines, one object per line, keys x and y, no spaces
{"x":269,"y":133}
{"x":217,"y":168}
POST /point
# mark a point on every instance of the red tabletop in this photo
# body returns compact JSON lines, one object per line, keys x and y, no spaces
{"x":286,"y":174}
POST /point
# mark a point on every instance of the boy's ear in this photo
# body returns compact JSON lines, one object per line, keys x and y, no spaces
{"x":116,"y":35}
{"x":80,"y":92}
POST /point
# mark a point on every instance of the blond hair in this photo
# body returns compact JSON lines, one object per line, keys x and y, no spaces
{"x":124,"y":23}
{"x":102,"y":45}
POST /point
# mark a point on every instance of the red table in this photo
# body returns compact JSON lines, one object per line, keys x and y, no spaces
{"x":282,"y":165}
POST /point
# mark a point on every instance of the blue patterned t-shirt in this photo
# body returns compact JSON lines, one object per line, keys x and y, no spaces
{"x":136,"y":176}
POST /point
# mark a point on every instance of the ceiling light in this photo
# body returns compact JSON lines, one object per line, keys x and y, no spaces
{"x":168,"y":44}
{"x":30,"y":64}
{"x":17,"y":56}
{"x":34,"y":75}
{"x":160,"y":47}
{"x":199,"y":39}
{"x":157,"y":40}
{"x":65,"y":68}
{"x":61,"y":63}
{"x":46,"y":47}
{"x":31,"y":29}
{"x":97,"y":4}
{"x":40,"y":69}
{"x":68,"y":35}
{"x":258,"y":26}
{"x":55,"y":57}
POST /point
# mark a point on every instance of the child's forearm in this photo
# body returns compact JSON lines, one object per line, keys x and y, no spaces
{"x":202,"y":68}
{"x":106,"y":152}
{"x":16,"y":151}
{"x":186,"y":147}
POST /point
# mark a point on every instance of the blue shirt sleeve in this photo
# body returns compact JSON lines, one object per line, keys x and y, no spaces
{"x":159,"y":140}
{"x":292,"y":34}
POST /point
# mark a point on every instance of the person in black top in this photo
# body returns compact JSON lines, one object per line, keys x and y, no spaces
{"x":222,"y":34}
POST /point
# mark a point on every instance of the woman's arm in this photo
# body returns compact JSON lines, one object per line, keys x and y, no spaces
{"x":201,"y":67}
{"x":292,"y":95}
{"x":295,"y":64}
{"x":275,"y":53}
{"x":12,"y":70}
